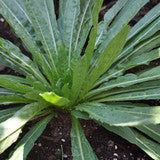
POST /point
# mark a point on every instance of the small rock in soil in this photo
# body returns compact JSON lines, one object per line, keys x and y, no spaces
{"x":65,"y":156}
{"x":2,"y":20}
{"x":39,"y":145}
{"x":63,"y":140}
{"x":115,"y":147}
{"x":110,"y":143}
{"x":115,"y":154}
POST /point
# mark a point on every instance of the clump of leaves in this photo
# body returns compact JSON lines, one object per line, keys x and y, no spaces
{"x":92,"y":85}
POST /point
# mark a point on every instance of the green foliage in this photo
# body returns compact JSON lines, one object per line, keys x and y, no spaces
{"x":85,"y":81}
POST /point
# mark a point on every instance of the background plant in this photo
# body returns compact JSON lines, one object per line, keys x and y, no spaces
{"x":88,"y":85}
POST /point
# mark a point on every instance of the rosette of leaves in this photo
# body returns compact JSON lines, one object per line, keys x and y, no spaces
{"x":86,"y":79}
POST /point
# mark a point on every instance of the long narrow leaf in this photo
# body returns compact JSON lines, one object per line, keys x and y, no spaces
{"x":121,"y":115}
{"x":134,"y":88}
{"x":92,"y":38}
{"x":8,"y":141}
{"x":20,"y":118}
{"x":81,"y":69}
{"x":125,"y":15}
{"x":136,"y":95}
{"x":81,"y":149}
{"x":106,"y":58}
{"x":27,"y":142}
{"x":17,"y":58}
{"x":108,"y":17}
{"x":148,"y":18}
{"x":84,"y":25}
{"x":147,"y":32}
{"x":151,"y":130}
{"x":15,"y":86}
{"x":43,"y":27}
{"x":71,"y":15}
{"x":135,"y":58}
{"x":17,"y":21}
{"x":128,"y":80}
{"x":7,"y":113}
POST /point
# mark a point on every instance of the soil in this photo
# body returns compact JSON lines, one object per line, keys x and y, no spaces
{"x":55,"y":143}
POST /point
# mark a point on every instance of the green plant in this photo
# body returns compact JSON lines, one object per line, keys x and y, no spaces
{"x":86,"y":85}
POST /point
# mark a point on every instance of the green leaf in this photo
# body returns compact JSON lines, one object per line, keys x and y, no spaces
{"x":16,"y":16}
{"x":85,"y":15}
{"x":82,"y":66}
{"x":147,"y":32}
{"x":149,"y":146}
{"x":71,"y":15}
{"x":78,"y":114}
{"x":106,"y":58}
{"x":125,"y":15}
{"x":14,"y":78}
{"x":139,"y":59}
{"x":8,"y":96}
{"x":62,"y":5}
{"x":136,"y":95}
{"x":134,"y":88}
{"x":84,"y":25}
{"x":27,"y":142}
{"x":8,"y":141}
{"x":15,"y":86}
{"x":92,"y":37}
{"x":147,"y":19}
{"x":45,"y":26}
{"x":7,"y":113}
{"x":4,"y":91}
{"x":13,"y":99}
{"x":108,"y":17}
{"x":51,"y":97}
{"x":79,"y":75}
{"x":34,"y":95}
{"x":151,"y":130}
{"x":128,"y":80}
{"x":141,"y":55}
{"x":20,"y":118}
{"x":37,"y":85}
{"x":121,"y":115}
{"x":140,"y":50}
{"x":15,"y":56}
{"x":81,"y":149}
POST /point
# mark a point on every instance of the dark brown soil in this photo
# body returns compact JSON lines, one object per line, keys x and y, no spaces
{"x":55,"y":140}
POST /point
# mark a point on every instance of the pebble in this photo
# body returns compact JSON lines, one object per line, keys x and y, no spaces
{"x":116,"y":147}
{"x":60,"y":133}
{"x":115,"y":159}
{"x":2,"y":20}
{"x":115,"y":154}
{"x":39,"y":145}
{"x":63,"y":140}
{"x":65,"y":156}
{"x":110,"y":143}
